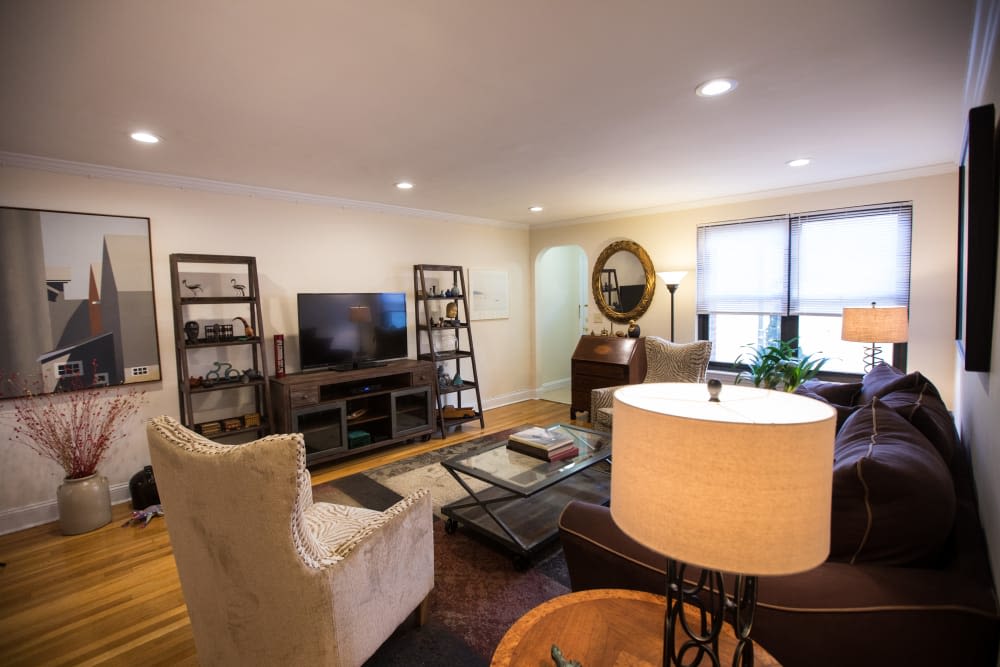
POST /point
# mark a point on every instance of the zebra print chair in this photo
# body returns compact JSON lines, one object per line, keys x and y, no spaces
{"x":665,"y":362}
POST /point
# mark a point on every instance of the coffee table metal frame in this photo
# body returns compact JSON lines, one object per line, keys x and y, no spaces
{"x":520,"y":507}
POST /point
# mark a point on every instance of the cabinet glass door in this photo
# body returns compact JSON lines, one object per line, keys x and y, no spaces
{"x":411,"y":410}
{"x":323,"y":427}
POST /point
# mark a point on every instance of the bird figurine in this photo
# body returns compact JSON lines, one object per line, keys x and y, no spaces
{"x":242,"y":289}
{"x":195,"y":288}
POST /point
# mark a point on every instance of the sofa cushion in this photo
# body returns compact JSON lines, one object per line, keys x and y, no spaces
{"x":893,"y":496}
{"x":918,"y":400}
{"x":884,"y":379}
{"x":840,"y":395}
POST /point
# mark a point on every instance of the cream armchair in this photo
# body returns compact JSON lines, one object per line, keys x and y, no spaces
{"x":665,"y":362}
{"x":269,"y":577}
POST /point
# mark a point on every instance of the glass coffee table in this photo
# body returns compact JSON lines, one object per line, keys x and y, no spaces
{"x":520,"y":507}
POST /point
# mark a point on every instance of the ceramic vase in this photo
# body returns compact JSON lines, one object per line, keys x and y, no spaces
{"x":84,"y":504}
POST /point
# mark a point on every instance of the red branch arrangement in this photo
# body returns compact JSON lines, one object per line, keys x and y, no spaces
{"x":74,"y":428}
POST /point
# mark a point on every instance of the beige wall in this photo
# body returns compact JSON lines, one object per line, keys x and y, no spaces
{"x":669,"y":238}
{"x":299,"y":247}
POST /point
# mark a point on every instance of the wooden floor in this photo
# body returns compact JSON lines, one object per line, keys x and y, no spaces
{"x":112,"y":596}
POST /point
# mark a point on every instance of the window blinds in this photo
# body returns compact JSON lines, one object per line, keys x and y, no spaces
{"x":807,"y":263}
{"x":850,"y":258}
{"x":743,"y":267}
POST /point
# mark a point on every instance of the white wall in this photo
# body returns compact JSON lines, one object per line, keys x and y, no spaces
{"x":669,"y":239}
{"x":978,"y":413}
{"x":299,"y":247}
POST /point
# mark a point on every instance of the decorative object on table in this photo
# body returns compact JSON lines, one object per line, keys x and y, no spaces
{"x":757,"y":468}
{"x":251,"y":419}
{"x":778,"y":364}
{"x":142,"y":517}
{"x":209,"y":428}
{"x":225,"y":331}
{"x":443,"y":378}
{"x":457,"y":381}
{"x":562,"y":661}
{"x":242,"y":289}
{"x":142,"y":488}
{"x":232,"y":424}
{"x":76,"y":429}
{"x":451,"y":412}
{"x":222,"y":370}
{"x":251,"y":374}
{"x":195,"y":288}
{"x":211,"y":333}
{"x":191,"y":331}
{"x":671,"y":279}
{"x":97,"y":332}
{"x":360,"y":412}
{"x":451,"y":311}
{"x":875,"y":325}
{"x":634,"y":331}
{"x":247,"y":329}
{"x":279,"y":355}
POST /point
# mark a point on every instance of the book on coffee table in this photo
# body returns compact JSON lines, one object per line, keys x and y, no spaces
{"x":541,"y":438}
{"x":558,"y":454}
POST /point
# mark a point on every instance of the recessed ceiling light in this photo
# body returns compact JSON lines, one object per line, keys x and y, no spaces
{"x":536,"y":209}
{"x":715,"y":87}
{"x":404,"y":185}
{"x":800,"y":162}
{"x":146,"y":137}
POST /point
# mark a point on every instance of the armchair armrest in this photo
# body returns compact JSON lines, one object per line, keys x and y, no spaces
{"x":603,"y":397}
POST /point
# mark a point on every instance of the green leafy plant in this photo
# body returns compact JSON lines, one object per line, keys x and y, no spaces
{"x":778,"y":364}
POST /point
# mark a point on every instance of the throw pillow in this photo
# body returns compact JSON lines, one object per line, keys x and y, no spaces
{"x":676,"y":362}
{"x":922,"y":406}
{"x":884,"y":379}
{"x":893,"y":496}
{"x":840,"y":395}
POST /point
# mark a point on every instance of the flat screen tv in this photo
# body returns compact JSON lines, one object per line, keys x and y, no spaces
{"x":356,"y":330}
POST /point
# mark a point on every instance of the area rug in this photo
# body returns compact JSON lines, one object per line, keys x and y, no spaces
{"x":477,"y":593}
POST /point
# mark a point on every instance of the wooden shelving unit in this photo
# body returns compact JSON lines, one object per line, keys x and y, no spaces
{"x":444,"y":337}
{"x":218,"y":305}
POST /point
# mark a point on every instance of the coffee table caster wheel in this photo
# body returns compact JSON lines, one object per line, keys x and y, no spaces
{"x":522,"y":563}
{"x":450,"y":526}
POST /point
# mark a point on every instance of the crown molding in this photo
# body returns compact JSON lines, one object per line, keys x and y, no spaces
{"x":840,"y":184}
{"x":89,"y":170}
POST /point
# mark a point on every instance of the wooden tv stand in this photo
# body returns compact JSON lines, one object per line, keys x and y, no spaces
{"x":342,"y":413}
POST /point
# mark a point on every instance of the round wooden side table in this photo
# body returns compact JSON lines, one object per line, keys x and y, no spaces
{"x":601,"y":627}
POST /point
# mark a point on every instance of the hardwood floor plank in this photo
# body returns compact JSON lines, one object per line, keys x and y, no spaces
{"x":112,"y":596}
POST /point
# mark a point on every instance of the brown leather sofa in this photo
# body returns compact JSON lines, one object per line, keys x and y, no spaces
{"x":913,"y":587}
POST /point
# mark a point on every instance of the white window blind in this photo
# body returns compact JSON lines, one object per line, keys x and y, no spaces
{"x":850,"y":258}
{"x":743,"y":267}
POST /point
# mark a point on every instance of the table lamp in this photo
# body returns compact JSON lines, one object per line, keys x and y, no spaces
{"x":875,"y":325}
{"x":737,"y":481}
{"x":671,"y":279}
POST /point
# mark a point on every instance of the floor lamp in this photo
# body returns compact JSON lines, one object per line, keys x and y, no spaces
{"x":672,"y":279}
{"x":741,"y":484}
{"x":875,"y":325}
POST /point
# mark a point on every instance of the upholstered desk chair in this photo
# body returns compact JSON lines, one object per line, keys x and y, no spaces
{"x":269,"y":577}
{"x":665,"y":362}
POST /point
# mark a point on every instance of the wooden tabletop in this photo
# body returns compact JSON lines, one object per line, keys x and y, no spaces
{"x":612,"y":627}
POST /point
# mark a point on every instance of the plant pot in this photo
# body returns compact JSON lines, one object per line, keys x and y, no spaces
{"x":84,"y":504}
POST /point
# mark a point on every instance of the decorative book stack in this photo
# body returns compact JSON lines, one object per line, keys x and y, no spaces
{"x":543,"y":444}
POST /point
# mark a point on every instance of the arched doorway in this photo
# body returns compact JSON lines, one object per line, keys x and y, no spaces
{"x":561,"y":290}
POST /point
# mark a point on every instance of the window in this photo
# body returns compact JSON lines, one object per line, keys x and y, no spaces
{"x":791,"y":276}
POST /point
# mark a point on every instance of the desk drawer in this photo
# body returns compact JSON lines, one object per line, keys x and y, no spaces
{"x":609,"y":372}
{"x":300,"y":396}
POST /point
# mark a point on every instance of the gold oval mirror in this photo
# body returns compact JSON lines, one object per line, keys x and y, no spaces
{"x":623,"y":281}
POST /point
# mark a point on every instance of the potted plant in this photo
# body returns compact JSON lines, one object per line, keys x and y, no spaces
{"x":76,"y":429}
{"x":778,"y":364}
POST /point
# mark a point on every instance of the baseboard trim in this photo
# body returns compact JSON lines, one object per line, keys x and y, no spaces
{"x":36,"y":514}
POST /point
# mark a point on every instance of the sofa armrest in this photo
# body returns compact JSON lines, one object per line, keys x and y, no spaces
{"x":835,"y":614}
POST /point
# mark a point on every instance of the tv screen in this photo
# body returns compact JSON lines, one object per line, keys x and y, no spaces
{"x":343,"y":331}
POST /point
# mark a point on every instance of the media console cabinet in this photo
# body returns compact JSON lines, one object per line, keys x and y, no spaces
{"x":340,"y":413}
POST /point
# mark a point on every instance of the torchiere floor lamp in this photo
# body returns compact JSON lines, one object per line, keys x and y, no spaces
{"x":672,"y":279}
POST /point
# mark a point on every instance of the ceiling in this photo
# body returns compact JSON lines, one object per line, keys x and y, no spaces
{"x":585,"y":107}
